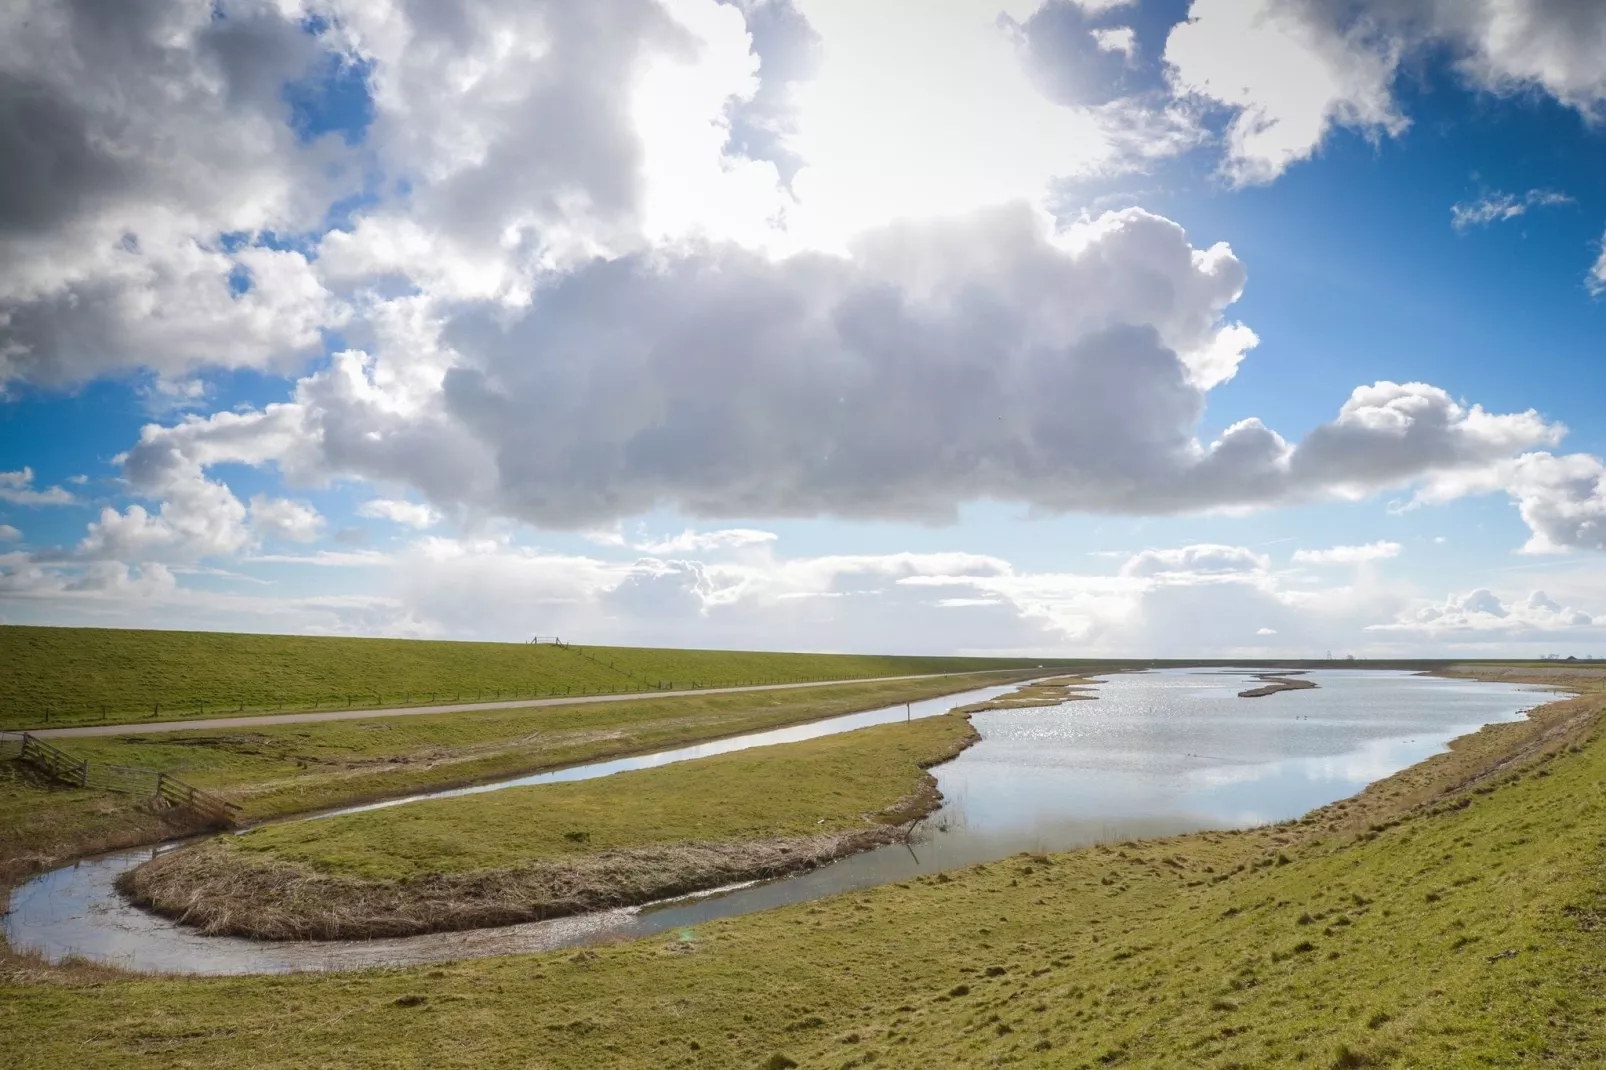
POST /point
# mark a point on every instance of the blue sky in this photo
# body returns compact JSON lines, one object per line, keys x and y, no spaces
{"x":812,"y":324}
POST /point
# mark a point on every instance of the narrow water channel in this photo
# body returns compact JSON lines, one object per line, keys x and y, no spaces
{"x":1156,"y":753}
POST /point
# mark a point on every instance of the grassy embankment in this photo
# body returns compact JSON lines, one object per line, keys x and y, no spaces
{"x":114,"y":676}
{"x":281,"y":769}
{"x":1452,"y":915}
{"x":563,"y":848}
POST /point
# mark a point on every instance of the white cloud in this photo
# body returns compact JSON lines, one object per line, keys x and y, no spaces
{"x":410,"y":514}
{"x":1187,"y":601}
{"x":283,"y":519}
{"x":1195,"y":562}
{"x":140,"y":136}
{"x":705,"y":541}
{"x":1498,"y":207}
{"x":899,"y":85}
{"x":584,"y":308}
{"x":1288,"y":82}
{"x":1482,"y":613}
{"x":1562,"y":498}
{"x":1349,"y":555}
{"x":9,"y":533}
{"x":326,"y":559}
{"x":1597,"y":274}
{"x":1122,"y":39}
{"x":1293,"y":70}
{"x":17,"y":488}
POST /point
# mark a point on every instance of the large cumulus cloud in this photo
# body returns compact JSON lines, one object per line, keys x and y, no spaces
{"x":149,"y":144}
{"x":570,"y":296}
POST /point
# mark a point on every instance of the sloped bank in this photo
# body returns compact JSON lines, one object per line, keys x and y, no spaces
{"x":560,"y":849}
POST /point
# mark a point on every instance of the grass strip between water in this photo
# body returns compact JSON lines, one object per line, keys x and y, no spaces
{"x":276,"y":770}
{"x":523,"y":854}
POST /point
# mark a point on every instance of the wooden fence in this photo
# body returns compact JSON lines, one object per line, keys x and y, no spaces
{"x":163,"y":789}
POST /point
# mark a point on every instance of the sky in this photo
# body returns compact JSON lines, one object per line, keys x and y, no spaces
{"x":1085,"y":328}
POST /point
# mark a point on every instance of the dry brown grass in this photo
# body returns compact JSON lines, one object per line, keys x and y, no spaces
{"x":223,"y":892}
{"x":44,"y":823}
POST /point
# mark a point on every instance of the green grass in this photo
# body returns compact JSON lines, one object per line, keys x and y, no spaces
{"x":274,"y":770}
{"x":42,"y":822}
{"x":819,"y":785}
{"x":1472,"y":934}
{"x":115,"y":676}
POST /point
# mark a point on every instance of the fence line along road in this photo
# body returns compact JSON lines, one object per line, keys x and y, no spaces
{"x":85,"y":731}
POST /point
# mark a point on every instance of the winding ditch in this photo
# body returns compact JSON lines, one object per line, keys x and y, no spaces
{"x":1158,"y":753}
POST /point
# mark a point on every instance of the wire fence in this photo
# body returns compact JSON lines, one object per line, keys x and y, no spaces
{"x":161,"y":789}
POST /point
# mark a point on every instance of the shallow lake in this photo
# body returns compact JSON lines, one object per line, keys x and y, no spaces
{"x":1154,"y":754}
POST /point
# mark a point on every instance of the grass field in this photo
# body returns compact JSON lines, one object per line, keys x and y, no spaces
{"x":819,"y":785}
{"x":280,"y":769}
{"x":1420,"y":924}
{"x":526,"y":853}
{"x":113,"y":676}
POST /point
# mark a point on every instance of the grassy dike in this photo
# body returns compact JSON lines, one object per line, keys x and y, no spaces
{"x":1452,"y":915}
{"x":277,"y":770}
{"x":564,"y":848}
{"x":85,"y":676}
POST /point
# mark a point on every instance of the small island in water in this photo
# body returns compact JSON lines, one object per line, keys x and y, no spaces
{"x":1275,"y":682}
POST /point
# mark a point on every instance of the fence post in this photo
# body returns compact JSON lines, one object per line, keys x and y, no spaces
{"x":83,"y":774}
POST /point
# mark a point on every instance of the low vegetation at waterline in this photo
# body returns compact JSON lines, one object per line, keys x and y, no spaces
{"x":1273,"y":684}
{"x":1038,"y":694}
{"x":122,"y":676}
{"x":1448,"y":916}
{"x":526,"y":853}
{"x":274,"y":770}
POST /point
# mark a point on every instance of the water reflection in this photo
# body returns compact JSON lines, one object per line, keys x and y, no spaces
{"x":1156,"y":754}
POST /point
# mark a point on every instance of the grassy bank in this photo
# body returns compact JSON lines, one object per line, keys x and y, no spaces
{"x":281,"y":769}
{"x":534,"y":852}
{"x":1449,"y":916}
{"x":43,"y":822}
{"x":115,"y":676}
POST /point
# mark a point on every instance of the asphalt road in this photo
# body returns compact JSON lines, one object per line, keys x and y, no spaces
{"x":457,"y":707}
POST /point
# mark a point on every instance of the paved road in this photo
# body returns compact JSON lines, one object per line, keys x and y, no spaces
{"x":459,"y":707}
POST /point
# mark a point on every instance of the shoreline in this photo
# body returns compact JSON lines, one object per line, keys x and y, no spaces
{"x":169,"y":826}
{"x":212,"y":889}
{"x":1470,"y":761}
{"x":209,"y":887}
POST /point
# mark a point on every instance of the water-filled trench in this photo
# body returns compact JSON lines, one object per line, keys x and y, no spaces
{"x":1157,"y":753}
